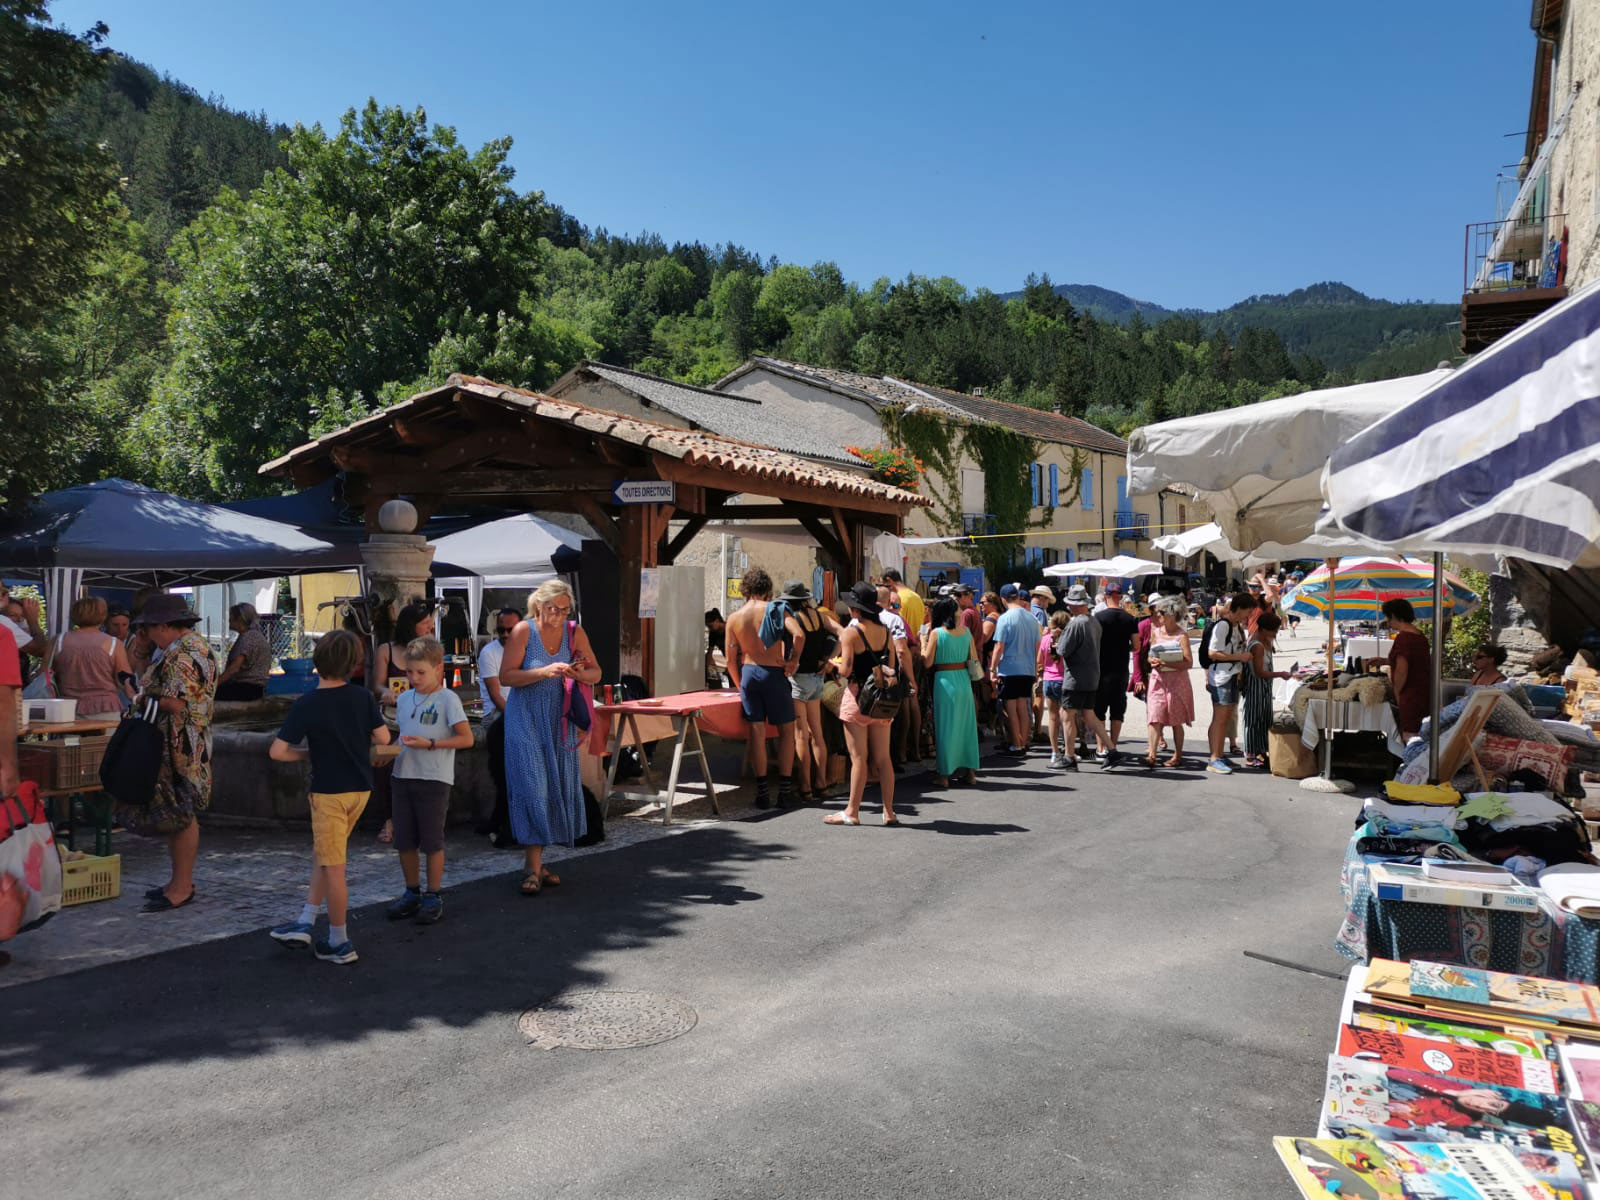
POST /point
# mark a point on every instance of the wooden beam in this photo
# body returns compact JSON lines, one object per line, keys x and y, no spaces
{"x":494,"y":482}
{"x":310,"y":473}
{"x":683,"y":537}
{"x":414,"y":433}
{"x":474,"y":447}
{"x":712,"y":477}
{"x":588,"y":507}
{"x":765,"y":512}
{"x":831,"y":546}
{"x":846,"y":532}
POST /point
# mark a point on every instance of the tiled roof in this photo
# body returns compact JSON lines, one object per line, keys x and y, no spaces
{"x":1035,"y":422}
{"x":691,"y":446}
{"x":739,"y":417}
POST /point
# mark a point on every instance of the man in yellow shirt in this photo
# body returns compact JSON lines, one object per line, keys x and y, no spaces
{"x":914,"y":613}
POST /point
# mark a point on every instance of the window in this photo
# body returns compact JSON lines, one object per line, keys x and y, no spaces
{"x":1033,"y":482}
{"x":1055,"y":485}
{"x":1049,"y":552}
{"x":1087,"y":488}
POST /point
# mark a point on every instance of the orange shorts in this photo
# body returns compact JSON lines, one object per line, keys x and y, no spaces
{"x":333,"y":819}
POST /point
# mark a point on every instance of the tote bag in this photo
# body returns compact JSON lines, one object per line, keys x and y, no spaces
{"x":133,"y":756}
{"x":30,"y":867}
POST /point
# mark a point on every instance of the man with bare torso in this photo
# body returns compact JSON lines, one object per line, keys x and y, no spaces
{"x":763,"y":669}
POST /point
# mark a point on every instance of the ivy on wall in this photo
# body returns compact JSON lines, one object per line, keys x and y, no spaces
{"x":927,"y":437}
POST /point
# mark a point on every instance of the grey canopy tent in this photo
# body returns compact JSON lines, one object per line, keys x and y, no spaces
{"x":123,"y":534}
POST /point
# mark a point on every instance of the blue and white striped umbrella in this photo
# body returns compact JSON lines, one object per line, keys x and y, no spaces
{"x":1502,"y":457}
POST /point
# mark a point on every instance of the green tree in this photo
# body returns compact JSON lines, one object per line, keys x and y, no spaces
{"x":59,"y":196}
{"x":334,"y":277}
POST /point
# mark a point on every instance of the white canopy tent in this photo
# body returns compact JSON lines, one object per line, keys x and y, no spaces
{"x":1259,"y":467}
{"x":1122,"y":566}
{"x":513,"y":552}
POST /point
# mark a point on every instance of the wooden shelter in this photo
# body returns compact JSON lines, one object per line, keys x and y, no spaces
{"x":477,"y":440}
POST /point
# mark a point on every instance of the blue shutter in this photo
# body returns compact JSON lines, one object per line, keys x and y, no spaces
{"x":1122,"y":492}
{"x":1087,"y":489}
{"x":1033,"y":481}
{"x":1055,"y":486}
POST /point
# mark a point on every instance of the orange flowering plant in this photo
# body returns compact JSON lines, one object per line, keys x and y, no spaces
{"x":891,"y":465}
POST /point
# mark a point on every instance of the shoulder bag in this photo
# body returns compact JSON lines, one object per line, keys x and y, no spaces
{"x":132,"y":760}
{"x":880,"y":696}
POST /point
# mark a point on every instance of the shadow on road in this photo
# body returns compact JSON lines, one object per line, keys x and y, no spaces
{"x":970,"y":828}
{"x":495,"y":952}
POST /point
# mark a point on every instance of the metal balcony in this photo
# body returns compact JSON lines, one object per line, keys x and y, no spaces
{"x":977,"y":523}
{"x":1511,"y":271}
{"x":1133,"y":526}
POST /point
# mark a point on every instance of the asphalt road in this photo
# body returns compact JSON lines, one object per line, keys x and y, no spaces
{"x":1037,"y":988}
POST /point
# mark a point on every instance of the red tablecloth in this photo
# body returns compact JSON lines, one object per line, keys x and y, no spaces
{"x":721,"y":713}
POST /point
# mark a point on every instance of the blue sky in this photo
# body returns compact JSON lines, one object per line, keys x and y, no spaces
{"x":1185,"y":153}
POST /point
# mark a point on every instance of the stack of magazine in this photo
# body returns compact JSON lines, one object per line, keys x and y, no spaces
{"x":1452,"y":1083}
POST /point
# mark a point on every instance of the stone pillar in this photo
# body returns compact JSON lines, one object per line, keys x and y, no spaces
{"x":397,"y":560}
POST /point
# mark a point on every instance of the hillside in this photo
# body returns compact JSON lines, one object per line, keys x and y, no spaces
{"x":1338,"y":326}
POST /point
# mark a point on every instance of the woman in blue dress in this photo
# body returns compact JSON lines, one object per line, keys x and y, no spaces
{"x":542,"y":779}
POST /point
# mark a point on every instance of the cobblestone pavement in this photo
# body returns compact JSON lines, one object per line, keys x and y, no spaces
{"x":249,"y":879}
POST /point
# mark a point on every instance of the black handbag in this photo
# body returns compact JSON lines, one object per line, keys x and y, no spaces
{"x":132,"y":759}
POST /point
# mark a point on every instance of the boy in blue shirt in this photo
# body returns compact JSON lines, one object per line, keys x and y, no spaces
{"x":340,"y":724}
{"x":433,"y":726}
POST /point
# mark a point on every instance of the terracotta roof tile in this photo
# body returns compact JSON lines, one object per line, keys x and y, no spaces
{"x":691,"y":446}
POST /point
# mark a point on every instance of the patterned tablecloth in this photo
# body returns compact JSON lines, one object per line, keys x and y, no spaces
{"x":1551,"y":943}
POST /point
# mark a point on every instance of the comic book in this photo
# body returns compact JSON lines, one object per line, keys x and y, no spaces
{"x":1525,"y":1043}
{"x":1371,"y":1100}
{"x":1468,"y":991}
{"x":1473,"y":1063}
{"x":1580,"y":1065}
{"x":1363,"y":1169}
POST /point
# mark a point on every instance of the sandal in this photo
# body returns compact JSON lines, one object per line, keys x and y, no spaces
{"x":160,"y":903}
{"x":386,"y":834}
{"x":1175,"y":761}
{"x":531,"y":885}
{"x":891,"y":820}
{"x":941,"y":781}
{"x":548,"y":878}
{"x":840,"y":819}
{"x":1150,"y":760}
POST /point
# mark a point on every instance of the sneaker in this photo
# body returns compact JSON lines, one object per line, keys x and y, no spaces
{"x":1219,"y":766}
{"x":408,"y":904}
{"x":293,"y":934}
{"x":431,"y":908}
{"x":1110,"y":759}
{"x":343,"y":953}
{"x":1069,"y":764}
{"x":1057,"y":762}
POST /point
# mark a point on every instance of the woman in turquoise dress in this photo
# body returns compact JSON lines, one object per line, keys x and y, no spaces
{"x":946,"y":650}
{"x":545,"y":792}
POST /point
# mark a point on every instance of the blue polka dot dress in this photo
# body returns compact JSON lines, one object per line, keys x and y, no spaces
{"x":542,"y":754}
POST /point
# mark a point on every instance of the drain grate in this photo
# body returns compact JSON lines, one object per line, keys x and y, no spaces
{"x":606,"y":1021}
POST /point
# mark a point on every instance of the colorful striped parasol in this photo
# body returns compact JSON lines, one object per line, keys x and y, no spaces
{"x":1361,"y":585}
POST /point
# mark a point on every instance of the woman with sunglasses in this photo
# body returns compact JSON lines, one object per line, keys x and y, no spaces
{"x":1486,"y":663}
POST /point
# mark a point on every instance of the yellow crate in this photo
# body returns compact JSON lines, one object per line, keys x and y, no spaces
{"x":87,"y":879}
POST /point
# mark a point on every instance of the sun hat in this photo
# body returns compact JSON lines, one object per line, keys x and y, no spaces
{"x":863,"y":598}
{"x":1041,"y":590}
{"x":1077,"y":597}
{"x":795,"y":589}
{"x":166,"y":609}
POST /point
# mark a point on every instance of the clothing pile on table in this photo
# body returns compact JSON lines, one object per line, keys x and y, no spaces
{"x":1524,"y":832}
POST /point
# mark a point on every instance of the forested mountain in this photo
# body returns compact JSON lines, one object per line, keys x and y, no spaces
{"x":248,"y":285}
{"x":1330,"y":322}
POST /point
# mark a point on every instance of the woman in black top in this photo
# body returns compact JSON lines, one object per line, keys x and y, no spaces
{"x":818,"y":634}
{"x":865,"y":646}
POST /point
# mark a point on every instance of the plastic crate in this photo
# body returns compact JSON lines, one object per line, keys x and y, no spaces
{"x":58,"y":765}
{"x":87,"y":879}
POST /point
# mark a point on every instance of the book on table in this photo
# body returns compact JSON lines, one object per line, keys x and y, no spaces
{"x":1406,"y":881}
{"x":1453,"y":870}
{"x":1365,"y":1099}
{"x":1470,"y":1063}
{"x":1522,"y":1000}
{"x":1370,"y":1169}
{"x":1524,"y":1043}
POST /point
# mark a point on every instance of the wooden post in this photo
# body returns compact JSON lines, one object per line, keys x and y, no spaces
{"x":641,"y":527}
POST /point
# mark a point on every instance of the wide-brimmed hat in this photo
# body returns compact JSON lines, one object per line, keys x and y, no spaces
{"x":1049,"y":596}
{"x":863,"y":598}
{"x":795,"y":589}
{"x":166,"y":609}
{"x":1077,"y":596}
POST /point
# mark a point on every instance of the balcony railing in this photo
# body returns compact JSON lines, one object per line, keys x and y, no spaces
{"x":1133,"y":526}
{"x":977,"y":523}
{"x":1512,"y":256}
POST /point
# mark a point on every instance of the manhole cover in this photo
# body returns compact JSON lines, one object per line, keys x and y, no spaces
{"x":606,"y":1021}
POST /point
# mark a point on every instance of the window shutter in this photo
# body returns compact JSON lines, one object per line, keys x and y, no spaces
{"x":1033,"y":481}
{"x":1055,"y":486}
{"x":1087,"y":488}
